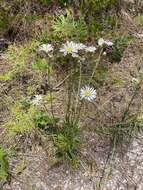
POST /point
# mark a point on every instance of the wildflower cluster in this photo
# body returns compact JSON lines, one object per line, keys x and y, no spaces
{"x":68,"y":48}
{"x":73,"y":49}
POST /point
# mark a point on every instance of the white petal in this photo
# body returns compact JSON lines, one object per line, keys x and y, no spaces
{"x":109,"y":43}
{"x":101,"y":41}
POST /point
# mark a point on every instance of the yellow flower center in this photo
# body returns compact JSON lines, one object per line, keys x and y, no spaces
{"x":69,"y":49}
{"x":87,"y":93}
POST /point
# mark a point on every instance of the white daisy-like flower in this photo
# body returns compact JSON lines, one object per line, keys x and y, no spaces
{"x":81,"y":46}
{"x":37,"y":100}
{"x":91,"y":49}
{"x":88,"y":93}
{"x":104,"y":53}
{"x":101,"y":41}
{"x":108,"y":43}
{"x":70,"y":48}
{"x":46,"y":48}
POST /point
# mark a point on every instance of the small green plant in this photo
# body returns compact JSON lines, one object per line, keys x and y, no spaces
{"x":68,"y":27}
{"x":45,"y":122}
{"x":115,"y":52}
{"x":67,"y":142}
{"x":41,"y":65}
{"x":18,"y":57}
{"x":25,"y":104}
{"x":7,"y":76}
{"x":21,"y":121}
{"x":4,"y":174}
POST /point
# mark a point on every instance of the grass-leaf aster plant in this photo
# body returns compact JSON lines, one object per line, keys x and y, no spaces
{"x":71,"y":94}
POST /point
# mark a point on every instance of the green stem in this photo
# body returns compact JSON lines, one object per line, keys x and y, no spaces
{"x":96,"y":65}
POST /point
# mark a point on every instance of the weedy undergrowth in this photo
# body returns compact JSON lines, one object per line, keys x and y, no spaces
{"x":68,"y":27}
{"x":19,"y":57}
{"x":21,"y":121}
{"x":115,"y":53}
{"x":46,"y":122}
{"x":4,"y":174}
{"x":128,"y":125}
{"x":68,"y":143}
{"x":41,"y":65}
{"x":98,"y":5}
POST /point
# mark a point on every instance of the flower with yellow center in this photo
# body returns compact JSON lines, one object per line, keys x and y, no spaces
{"x":91,"y":49}
{"x":88,"y":93}
{"x":46,"y":48}
{"x":70,"y":48}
